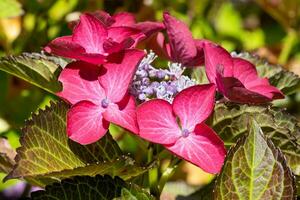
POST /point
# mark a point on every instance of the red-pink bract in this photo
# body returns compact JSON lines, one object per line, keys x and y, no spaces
{"x":125,"y":19}
{"x":236,"y":78}
{"x":182,"y":48}
{"x":99,"y":95}
{"x":190,"y":139}
{"x":92,"y":41}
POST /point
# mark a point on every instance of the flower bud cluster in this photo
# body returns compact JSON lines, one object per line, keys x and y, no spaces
{"x":150,"y":82}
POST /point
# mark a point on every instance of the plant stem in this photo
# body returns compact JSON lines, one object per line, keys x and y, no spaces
{"x":289,"y":42}
{"x":168,"y":173}
{"x":153,"y":173}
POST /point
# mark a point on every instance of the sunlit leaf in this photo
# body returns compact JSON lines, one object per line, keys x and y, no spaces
{"x":7,"y":155}
{"x":92,"y":188}
{"x":47,"y":154}
{"x":230,"y":122}
{"x":34,"y":69}
{"x":255,"y":169}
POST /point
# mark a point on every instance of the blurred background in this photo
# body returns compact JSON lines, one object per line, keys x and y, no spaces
{"x":269,"y":28}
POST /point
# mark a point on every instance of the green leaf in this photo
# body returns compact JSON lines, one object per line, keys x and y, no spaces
{"x":47,"y":154}
{"x":255,"y":169}
{"x":10,"y":8}
{"x":7,"y":155}
{"x":230,"y":122}
{"x":286,"y":81}
{"x":35,"y":69}
{"x":92,"y":188}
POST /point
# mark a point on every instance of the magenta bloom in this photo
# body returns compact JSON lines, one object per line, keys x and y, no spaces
{"x":182,"y":48}
{"x":236,"y":78}
{"x":93,"y":42}
{"x":99,"y":95}
{"x":180,"y":127}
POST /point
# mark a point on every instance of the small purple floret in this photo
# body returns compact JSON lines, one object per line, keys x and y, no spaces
{"x":160,"y":74}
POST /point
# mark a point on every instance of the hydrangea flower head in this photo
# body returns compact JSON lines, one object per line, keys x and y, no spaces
{"x":99,"y":95}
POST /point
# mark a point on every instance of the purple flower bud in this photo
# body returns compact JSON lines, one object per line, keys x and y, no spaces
{"x":142,"y":73}
{"x":145,"y":81}
{"x":160,"y":74}
{"x":172,"y":89}
{"x":148,"y":90}
{"x":152,"y":73}
{"x":145,"y":66}
{"x":142,"y":97}
{"x":155,"y":84}
{"x":160,"y":91}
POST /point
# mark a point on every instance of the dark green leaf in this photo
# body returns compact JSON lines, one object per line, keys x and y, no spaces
{"x":286,"y":81}
{"x":255,"y":169}
{"x":92,"y":188}
{"x":230,"y":122}
{"x":35,"y":69}
{"x":47,"y":153}
{"x":7,"y":155}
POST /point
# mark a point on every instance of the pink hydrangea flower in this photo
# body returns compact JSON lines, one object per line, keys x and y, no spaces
{"x":180,"y":126}
{"x":99,"y":95}
{"x":236,"y":78}
{"x":94,"y":42}
{"x":182,"y":48}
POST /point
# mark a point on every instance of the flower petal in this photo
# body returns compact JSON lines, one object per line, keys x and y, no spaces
{"x":111,"y":46}
{"x":80,"y":82}
{"x":119,"y":34}
{"x":104,"y":17}
{"x":123,"y":114}
{"x":183,"y":48}
{"x":266,"y":89}
{"x":194,"y":105}
{"x":64,"y":46}
{"x":157,"y":122}
{"x":244,"y":70}
{"x":159,"y":46}
{"x":243,"y":95}
{"x":123,"y":19}
{"x":149,"y":28}
{"x":90,"y":33}
{"x":203,"y":148}
{"x":85,"y":123}
{"x":217,"y":59}
{"x":116,"y":77}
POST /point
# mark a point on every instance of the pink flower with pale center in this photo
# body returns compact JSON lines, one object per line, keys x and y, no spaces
{"x":99,"y":95}
{"x":236,"y":78}
{"x":92,"y":41}
{"x":180,"y":126}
